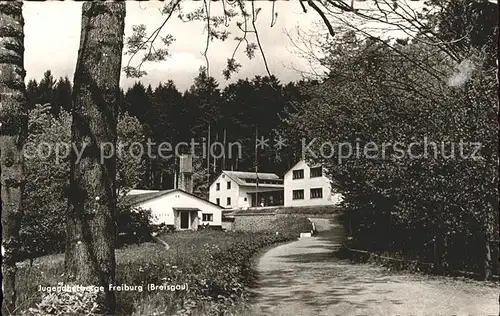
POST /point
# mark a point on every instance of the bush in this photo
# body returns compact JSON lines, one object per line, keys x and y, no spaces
{"x":133,"y":226}
{"x":65,"y":303}
{"x":46,"y":234}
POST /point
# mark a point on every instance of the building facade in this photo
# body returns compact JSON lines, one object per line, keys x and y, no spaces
{"x":237,"y":189}
{"x":179,"y":209}
{"x":308,"y":186}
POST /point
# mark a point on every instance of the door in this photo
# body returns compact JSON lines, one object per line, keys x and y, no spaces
{"x":184,"y":220}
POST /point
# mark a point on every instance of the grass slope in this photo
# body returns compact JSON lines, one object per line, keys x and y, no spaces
{"x":211,"y":270}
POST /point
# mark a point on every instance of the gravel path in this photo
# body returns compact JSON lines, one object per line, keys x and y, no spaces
{"x":304,"y":278}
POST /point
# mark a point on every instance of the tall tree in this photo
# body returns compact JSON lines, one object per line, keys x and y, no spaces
{"x":90,"y":256}
{"x":46,"y":91}
{"x":166,"y":125}
{"x":13,"y":120}
{"x":136,"y":102}
{"x":31,"y":94}
{"x":203,"y":100}
{"x":62,"y":95}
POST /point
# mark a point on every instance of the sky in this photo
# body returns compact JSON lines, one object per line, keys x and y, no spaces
{"x":52,"y":35}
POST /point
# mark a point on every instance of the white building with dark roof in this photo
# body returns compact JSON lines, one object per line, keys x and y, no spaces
{"x":178,"y":209}
{"x":237,"y":189}
{"x":307,"y":185}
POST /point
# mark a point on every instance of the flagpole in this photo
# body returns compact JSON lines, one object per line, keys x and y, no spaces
{"x":208,"y":158}
{"x":224,"y":156}
{"x":175,"y":172}
{"x":256,"y":168}
{"x":215,"y":158}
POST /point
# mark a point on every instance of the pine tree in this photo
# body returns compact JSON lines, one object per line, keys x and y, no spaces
{"x":62,"y":95}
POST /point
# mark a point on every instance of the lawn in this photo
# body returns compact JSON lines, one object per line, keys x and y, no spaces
{"x":211,"y":270}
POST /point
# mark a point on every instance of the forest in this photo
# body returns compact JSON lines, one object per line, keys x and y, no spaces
{"x":167,"y":115}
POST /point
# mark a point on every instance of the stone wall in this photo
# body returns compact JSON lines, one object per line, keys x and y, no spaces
{"x":228,"y":226}
{"x":257,"y":222}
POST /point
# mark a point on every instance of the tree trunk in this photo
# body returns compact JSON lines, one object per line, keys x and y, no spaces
{"x":497,"y":222}
{"x":13,"y":119}
{"x":487,"y":262}
{"x":154,"y":174}
{"x":90,"y":255}
{"x":439,"y":252}
{"x":147,"y":171}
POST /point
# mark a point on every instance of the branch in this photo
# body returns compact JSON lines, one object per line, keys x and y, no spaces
{"x":226,"y":24}
{"x":153,"y":36}
{"x":322,"y":15}
{"x":254,"y":18}
{"x":303,"y":6}
{"x":274,"y":15}
{"x":207,"y":10}
{"x":436,"y":74}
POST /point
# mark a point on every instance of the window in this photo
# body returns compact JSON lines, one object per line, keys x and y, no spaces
{"x":217,"y":200}
{"x":229,"y":185}
{"x":317,"y":193}
{"x":316,"y":172}
{"x":298,"y":174}
{"x":208,"y":217}
{"x":298,"y":194}
{"x":217,"y":187}
{"x":245,"y":199}
{"x":228,"y":201}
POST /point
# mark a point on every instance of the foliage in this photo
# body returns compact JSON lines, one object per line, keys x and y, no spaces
{"x":56,"y":93}
{"x":130,"y":169}
{"x":403,"y":198}
{"x":146,"y":45}
{"x":65,"y":303}
{"x":133,"y":224}
{"x":212,"y":269}
{"x":47,"y":171}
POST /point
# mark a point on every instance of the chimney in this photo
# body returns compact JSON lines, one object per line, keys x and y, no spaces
{"x":185,"y":182}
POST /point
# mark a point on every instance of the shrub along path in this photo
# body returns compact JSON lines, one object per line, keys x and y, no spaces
{"x":304,"y":278}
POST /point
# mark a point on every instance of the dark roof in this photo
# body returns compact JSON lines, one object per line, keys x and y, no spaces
{"x":144,"y":197}
{"x":240,"y":178}
{"x":252,"y":175}
{"x":193,"y":209}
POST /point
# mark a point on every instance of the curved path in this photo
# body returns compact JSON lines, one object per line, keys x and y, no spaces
{"x":304,"y":278}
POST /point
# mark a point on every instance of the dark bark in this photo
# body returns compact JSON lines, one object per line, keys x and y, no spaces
{"x":90,"y":256}
{"x":439,"y":252}
{"x":487,"y":263}
{"x":13,"y":119}
{"x":147,"y":172}
{"x":497,"y":221}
